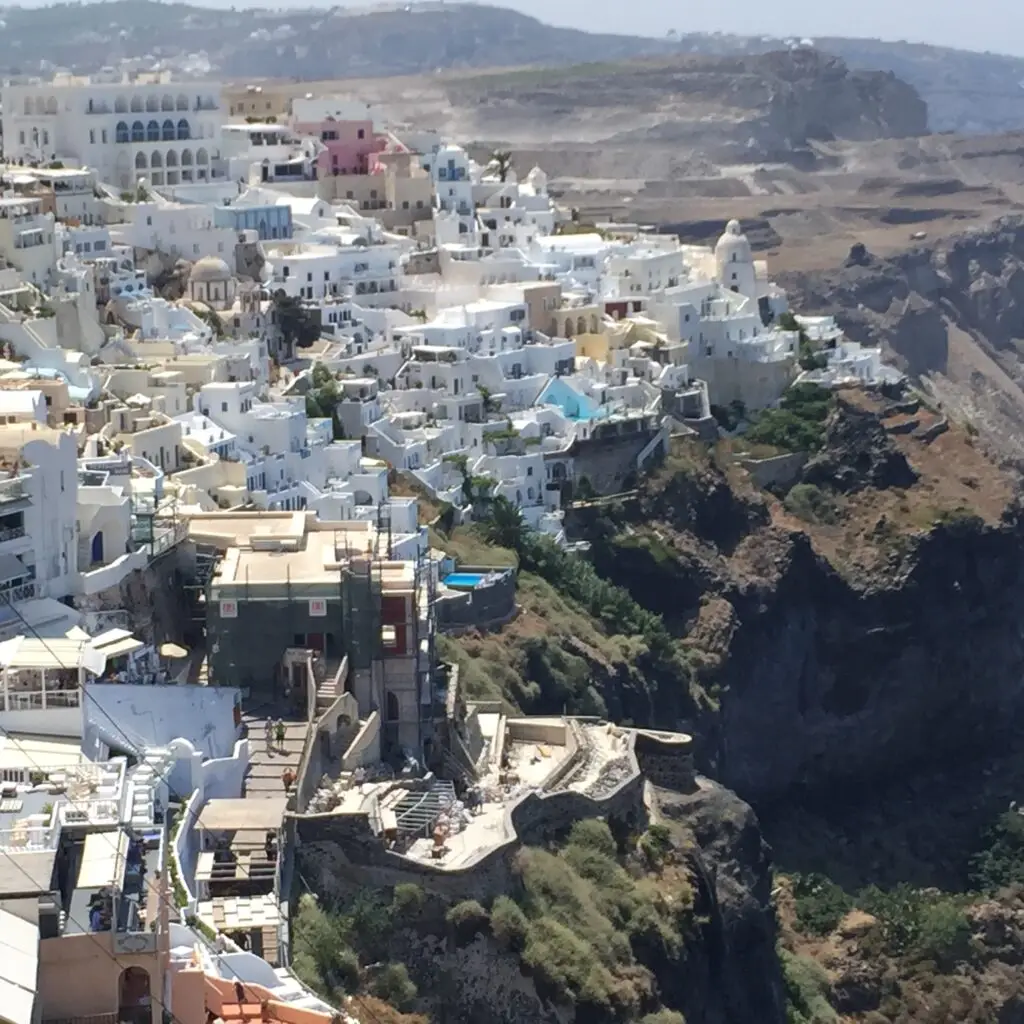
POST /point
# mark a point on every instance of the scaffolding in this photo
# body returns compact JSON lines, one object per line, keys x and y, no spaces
{"x":417,"y":813}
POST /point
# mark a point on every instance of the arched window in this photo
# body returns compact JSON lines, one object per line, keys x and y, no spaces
{"x":153,"y":131}
{"x":167,"y":132}
{"x":51,"y":105}
{"x":140,"y":161}
{"x":120,"y":105}
{"x":40,"y":105}
{"x":391,"y":702}
{"x":201,"y":156}
{"x":182,"y":101}
{"x":137,"y":105}
{"x":138,"y":131}
{"x":593,"y":324}
{"x":581,"y":325}
{"x":183,"y":129}
{"x":186,"y":158}
{"x":133,"y":995}
{"x":152,"y":104}
{"x":121,"y":132}
{"x":156,"y":160}
{"x":172,"y":158}
{"x":28,"y":105}
{"x":568,"y":328}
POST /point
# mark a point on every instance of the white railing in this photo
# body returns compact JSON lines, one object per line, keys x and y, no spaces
{"x":21,"y":592}
{"x":42,"y":699}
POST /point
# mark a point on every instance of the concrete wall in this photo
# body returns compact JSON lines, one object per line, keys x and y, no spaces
{"x":365,"y":748}
{"x":204,"y":715}
{"x":608,"y":462}
{"x":491,"y":602}
{"x":537,"y":730}
{"x":37,"y":722}
{"x":779,"y":470}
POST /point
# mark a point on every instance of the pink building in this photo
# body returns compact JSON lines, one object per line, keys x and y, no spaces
{"x":349,"y":145}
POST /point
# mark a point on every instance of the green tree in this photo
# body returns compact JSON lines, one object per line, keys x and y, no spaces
{"x":298,"y":326}
{"x":394,"y":986}
{"x":504,"y":524}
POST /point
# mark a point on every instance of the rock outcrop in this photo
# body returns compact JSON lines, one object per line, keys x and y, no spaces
{"x":951,"y":315}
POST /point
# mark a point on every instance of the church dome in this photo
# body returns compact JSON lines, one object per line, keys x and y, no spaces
{"x":733,"y":246}
{"x":210,"y":268}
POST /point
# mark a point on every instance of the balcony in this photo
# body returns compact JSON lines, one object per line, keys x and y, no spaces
{"x":11,"y":533}
{"x":19,"y":592}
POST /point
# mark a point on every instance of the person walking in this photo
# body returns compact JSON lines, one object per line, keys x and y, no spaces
{"x":280,"y":732}
{"x":268,"y":731}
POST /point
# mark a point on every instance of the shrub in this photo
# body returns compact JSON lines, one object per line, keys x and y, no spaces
{"x":508,"y":923}
{"x":346,"y":970}
{"x":407,"y":901}
{"x":566,"y":964}
{"x":917,"y":922}
{"x":944,"y":932}
{"x":798,"y":424}
{"x":656,"y":844}
{"x":663,"y":1017}
{"x":810,"y":503}
{"x":820,"y":903}
{"x":393,"y":984}
{"x":593,"y":834}
{"x":467,"y":919}
{"x":1001,"y":862}
{"x":806,"y":985}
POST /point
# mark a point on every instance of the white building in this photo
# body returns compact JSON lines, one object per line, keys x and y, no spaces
{"x":147,"y":126}
{"x":27,"y":238}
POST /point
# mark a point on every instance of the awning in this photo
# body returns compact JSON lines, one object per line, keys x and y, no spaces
{"x":102,"y":853}
{"x":120,"y":647}
{"x":240,"y":814}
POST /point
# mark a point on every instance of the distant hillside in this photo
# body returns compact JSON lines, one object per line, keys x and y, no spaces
{"x":965,"y":91}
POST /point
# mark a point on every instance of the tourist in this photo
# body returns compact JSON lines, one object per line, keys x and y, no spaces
{"x":269,"y":735}
{"x":279,"y":729}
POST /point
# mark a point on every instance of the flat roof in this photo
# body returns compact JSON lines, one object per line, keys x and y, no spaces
{"x":26,"y":874}
{"x":239,"y":813}
{"x":19,"y":968}
{"x":39,"y":752}
{"x":58,"y":652}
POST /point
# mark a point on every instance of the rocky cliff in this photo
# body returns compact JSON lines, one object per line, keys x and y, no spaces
{"x":950,"y":313}
{"x":857,"y":632}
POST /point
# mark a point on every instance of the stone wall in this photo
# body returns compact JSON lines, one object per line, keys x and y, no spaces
{"x":609,"y":462}
{"x":776,"y":471}
{"x":489,"y":603}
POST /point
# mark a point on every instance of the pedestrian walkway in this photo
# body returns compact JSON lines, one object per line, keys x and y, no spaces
{"x":268,"y":762}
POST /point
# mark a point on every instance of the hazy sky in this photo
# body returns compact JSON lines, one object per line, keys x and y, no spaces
{"x":996,"y":25}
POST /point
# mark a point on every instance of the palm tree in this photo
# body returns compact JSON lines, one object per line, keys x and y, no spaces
{"x":501,"y":162}
{"x":504,"y":525}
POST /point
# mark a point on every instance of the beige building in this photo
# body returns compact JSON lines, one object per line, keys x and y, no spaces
{"x":268,"y":101}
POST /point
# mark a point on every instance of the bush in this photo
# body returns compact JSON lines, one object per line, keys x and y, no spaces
{"x":508,"y":923}
{"x":656,"y":844}
{"x":806,"y":985}
{"x":346,"y":970}
{"x":820,"y":903}
{"x":593,"y":834}
{"x":798,"y":425}
{"x":944,"y":932}
{"x":917,"y":922}
{"x":407,"y":901}
{"x":566,"y":964}
{"x":1001,"y":862}
{"x":810,"y":503}
{"x":467,"y":919}
{"x":663,"y":1017}
{"x":394,"y":986}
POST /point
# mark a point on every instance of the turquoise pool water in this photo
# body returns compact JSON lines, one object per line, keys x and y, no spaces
{"x":464,"y":580}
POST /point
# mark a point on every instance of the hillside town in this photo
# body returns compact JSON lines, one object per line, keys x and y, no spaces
{"x":243,"y":336}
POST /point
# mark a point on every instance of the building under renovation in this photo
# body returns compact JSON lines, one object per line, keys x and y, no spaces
{"x":282,"y":582}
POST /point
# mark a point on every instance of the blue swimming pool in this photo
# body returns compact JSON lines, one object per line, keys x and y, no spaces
{"x":464,"y":580}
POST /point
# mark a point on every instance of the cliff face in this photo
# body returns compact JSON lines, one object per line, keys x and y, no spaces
{"x":874,"y":637}
{"x":951,"y":315}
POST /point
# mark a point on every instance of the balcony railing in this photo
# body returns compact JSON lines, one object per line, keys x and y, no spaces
{"x":32,"y":699}
{"x":12,"y":490}
{"x":11,"y":532}
{"x":22,"y":592}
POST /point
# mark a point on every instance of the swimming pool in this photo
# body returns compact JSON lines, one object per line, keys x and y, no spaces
{"x":464,"y":580}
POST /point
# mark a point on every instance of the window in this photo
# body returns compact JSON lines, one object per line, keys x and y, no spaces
{"x":92,"y":137}
{"x":103,"y":136}
{"x":405,"y":204}
{"x":21,"y":138}
{"x":224,"y":407}
{"x":149,"y":222}
{"x":309,"y":276}
{"x":361,"y":133}
{"x":195,"y":249}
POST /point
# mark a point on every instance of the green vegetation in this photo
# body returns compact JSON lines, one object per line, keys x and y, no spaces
{"x":807,"y":989}
{"x":501,"y":163}
{"x":1001,"y":861}
{"x":323,"y":397}
{"x":393,"y":985}
{"x":919,"y":923}
{"x":820,"y":903}
{"x":810,"y":503}
{"x":297,"y":325}
{"x":467,"y":919}
{"x":509,"y":924}
{"x":798,"y":425}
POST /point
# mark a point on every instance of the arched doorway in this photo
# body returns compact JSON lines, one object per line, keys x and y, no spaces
{"x":391,"y":706}
{"x":134,"y":1002}
{"x":97,"y":547}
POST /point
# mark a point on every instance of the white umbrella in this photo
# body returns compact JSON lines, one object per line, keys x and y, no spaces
{"x":171,"y":650}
